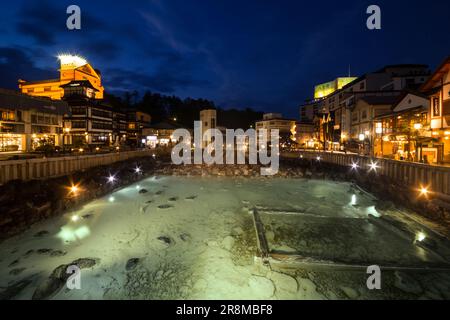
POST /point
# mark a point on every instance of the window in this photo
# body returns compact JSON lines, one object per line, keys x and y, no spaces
{"x":47,"y":89}
{"x":8,"y":116}
{"x":78,"y":124}
{"x":362,"y":86}
{"x":30,"y":90}
{"x":364,"y":115}
{"x":101,"y":125}
{"x":79,"y":111}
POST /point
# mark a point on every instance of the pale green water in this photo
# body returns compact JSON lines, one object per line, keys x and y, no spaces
{"x":207,"y":243}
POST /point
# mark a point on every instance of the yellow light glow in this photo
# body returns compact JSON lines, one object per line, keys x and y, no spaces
{"x":417,"y":126}
{"x":74,"y":61}
{"x":75,"y":218}
{"x":424,"y":191}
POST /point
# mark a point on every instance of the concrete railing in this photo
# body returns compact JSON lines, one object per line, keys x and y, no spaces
{"x":54,"y":167}
{"x":414,"y":175}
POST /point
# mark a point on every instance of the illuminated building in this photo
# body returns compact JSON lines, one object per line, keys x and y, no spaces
{"x":30,"y":123}
{"x":437,"y":89}
{"x":160,"y":134}
{"x":404,"y":133}
{"x":275,"y":121}
{"x":325,"y":89}
{"x":339,"y":102}
{"x":137,"y":121}
{"x":72,"y":68}
{"x":363,"y":119}
{"x":91,"y":119}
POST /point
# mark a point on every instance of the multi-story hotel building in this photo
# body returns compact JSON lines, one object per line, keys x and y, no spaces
{"x":137,"y":121}
{"x":437,"y":88}
{"x":28,"y":123}
{"x":72,"y":68}
{"x":91,"y":120}
{"x":339,"y":104}
{"x":275,"y":121}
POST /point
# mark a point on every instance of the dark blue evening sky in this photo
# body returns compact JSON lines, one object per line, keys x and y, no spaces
{"x":263,"y":54}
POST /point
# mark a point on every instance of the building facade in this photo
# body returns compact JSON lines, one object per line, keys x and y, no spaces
{"x":30,"y":123}
{"x":388,"y":81}
{"x":91,"y":120}
{"x":437,"y":89}
{"x":72,"y":68}
{"x":275,"y":121}
{"x":208,"y":118}
{"x":404,"y":133}
{"x":137,"y":122}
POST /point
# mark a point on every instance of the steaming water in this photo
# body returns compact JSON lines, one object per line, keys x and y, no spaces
{"x":193,"y":238}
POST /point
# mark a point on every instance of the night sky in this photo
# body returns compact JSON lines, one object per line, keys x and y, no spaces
{"x":263,"y":54}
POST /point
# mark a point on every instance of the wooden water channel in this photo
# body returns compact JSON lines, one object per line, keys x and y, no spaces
{"x":291,"y":261}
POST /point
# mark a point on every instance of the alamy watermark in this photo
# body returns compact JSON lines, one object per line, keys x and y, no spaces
{"x":74,"y":280}
{"x":74,"y":20}
{"x":374,"y":20}
{"x":374,"y":280}
{"x":209,"y":147}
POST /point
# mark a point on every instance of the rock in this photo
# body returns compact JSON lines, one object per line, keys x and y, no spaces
{"x":350,"y":293}
{"x":41,"y":234}
{"x":407,"y":284}
{"x":58,"y":253}
{"x":191,"y":198}
{"x":143,"y":191}
{"x":132,"y":264}
{"x":56,"y":281}
{"x":16,"y":272}
{"x":307,"y":290}
{"x":270,"y":236}
{"x":173,"y":199}
{"x":185,"y":236}
{"x":166,"y":240}
{"x":228,"y":243}
{"x":14,"y":263}
{"x":84,"y":263}
{"x":261,"y":286}
{"x":44,"y":251}
{"x":13,"y":290}
{"x":165,"y":206}
{"x":238,"y":231}
{"x":283,"y":282}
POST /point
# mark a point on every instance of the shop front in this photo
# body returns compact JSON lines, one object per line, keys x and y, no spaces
{"x":10,"y":142}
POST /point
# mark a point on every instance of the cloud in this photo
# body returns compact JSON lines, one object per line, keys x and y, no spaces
{"x":16,"y":64}
{"x":45,"y":21}
{"x":161,"y":81}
